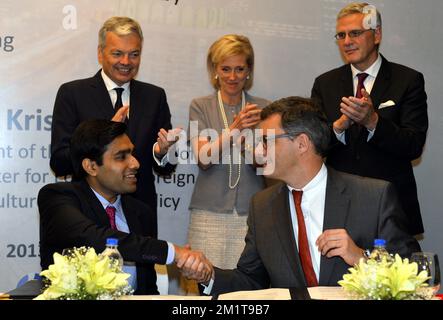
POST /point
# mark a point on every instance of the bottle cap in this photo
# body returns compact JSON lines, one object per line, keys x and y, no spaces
{"x":379,"y":242}
{"x":111,"y":242}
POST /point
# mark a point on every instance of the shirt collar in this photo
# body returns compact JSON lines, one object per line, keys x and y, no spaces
{"x":319,"y":178}
{"x":372,"y":70}
{"x":105,"y":203}
{"x":111,"y":85}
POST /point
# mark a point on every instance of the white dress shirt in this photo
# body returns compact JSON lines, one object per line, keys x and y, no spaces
{"x":313,"y":207}
{"x":111,"y":85}
{"x":126,"y":94}
{"x":122,"y":225}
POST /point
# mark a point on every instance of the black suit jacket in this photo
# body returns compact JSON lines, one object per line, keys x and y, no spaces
{"x":85,"y":99}
{"x":367,"y":208}
{"x":72,"y":216}
{"x":399,"y":136}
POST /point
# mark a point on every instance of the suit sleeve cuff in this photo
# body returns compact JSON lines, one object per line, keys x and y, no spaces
{"x":340,"y":136}
{"x":171,"y":253}
{"x":370,"y":134}
{"x":207,"y":289}
{"x":164,"y":161}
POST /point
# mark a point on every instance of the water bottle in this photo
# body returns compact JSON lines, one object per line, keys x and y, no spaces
{"x":379,"y":251}
{"x":112,"y":252}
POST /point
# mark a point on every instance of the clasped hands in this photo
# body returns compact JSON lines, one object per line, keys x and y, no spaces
{"x":249,"y":117}
{"x":356,"y":110}
{"x":193,"y":264}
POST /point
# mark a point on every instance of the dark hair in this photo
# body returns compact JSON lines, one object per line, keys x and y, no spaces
{"x":302,"y":115}
{"x":90,"y":140}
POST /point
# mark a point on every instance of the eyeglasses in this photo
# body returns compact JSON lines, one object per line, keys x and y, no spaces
{"x":239,"y":71}
{"x":265,"y":139}
{"x":351,"y":34}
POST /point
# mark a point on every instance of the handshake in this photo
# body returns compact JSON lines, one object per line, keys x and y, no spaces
{"x":193,"y":264}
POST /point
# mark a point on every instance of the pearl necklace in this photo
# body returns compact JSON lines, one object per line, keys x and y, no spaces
{"x":225,"y":122}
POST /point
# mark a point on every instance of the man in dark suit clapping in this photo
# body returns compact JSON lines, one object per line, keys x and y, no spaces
{"x":377,"y":108}
{"x":114,"y":94}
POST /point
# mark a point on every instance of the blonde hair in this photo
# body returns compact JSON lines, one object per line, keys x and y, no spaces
{"x":227,"y":46}
{"x":121,"y":26}
{"x":357,"y":7}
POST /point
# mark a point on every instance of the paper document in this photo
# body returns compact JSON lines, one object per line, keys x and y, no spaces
{"x":266,"y":294}
{"x":327,"y":293}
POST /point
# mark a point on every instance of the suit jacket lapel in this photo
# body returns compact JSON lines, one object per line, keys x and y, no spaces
{"x":346,"y":90}
{"x":96,"y":207}
{"x":99,"y":95}
{"x":346,"y":83}
{"x":131,"y":212}
{"x":336,"y":212}
{"x":131,"y":215}
{"x":282,"y":217}
{"x":135,"y":109}
{"x":382,"y":83}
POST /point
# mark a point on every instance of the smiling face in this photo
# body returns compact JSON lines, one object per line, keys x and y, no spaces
{"x":360,"y":51}
{"x":120,"y":58}
{"x":232,"y":73}
{"x":117,"y":174}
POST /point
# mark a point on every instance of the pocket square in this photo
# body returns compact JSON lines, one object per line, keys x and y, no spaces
{"x":386,"y":104}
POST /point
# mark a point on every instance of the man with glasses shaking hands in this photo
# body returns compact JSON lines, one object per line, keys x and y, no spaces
{"x":377,"y":109}
{"x":311,"y":226}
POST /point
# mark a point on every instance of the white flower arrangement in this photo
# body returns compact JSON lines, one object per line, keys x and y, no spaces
{"x":84,"y":275}
{"x":386,"y":280}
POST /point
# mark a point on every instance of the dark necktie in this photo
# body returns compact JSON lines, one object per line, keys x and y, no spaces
{"x":119,"y":101}
{"x":360,"y":85}
{"x":303,"y":245}
{"x":358,"y":134}
{"x":110,"y":211}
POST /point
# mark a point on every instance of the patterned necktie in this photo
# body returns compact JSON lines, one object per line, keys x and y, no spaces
{"x":110,"y":211}
{"x":119,"y":101}
{"x":303,"y":245}
{"x":360,"y":85}
{"x":357,"y":129}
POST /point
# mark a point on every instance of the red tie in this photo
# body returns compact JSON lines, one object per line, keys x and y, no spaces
{"x":361,"y":79}
{"x":110,"y":211}
{"x":303,"y":246}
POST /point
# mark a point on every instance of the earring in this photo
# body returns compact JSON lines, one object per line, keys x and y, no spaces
{"x":216,"y":77}
{"x":248,"y":77}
